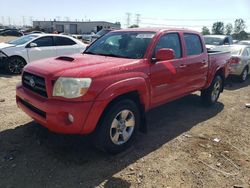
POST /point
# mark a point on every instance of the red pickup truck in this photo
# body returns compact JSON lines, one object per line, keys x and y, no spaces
{"x":107,"y":89}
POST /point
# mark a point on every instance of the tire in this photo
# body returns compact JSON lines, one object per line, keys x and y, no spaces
{"x":116,"y":133}
{"x":211,"y":95}
{"x":244,"y":74}
{"x":14,"y":65}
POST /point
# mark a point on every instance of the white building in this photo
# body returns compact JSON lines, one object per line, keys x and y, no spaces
{"x":75,"y":27}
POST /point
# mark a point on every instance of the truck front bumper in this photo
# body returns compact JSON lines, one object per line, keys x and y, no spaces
{"x":58,"y":116}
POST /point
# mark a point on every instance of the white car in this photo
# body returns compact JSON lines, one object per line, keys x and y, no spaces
{"x":14,"y":55}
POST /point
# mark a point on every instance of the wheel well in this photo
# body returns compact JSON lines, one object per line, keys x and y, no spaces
{"x":220,"y":72}
{"x":17,"y":56}
{"x":134,"y":96}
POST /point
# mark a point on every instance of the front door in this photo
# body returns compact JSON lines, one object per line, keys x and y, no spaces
{"x":168,"y":77}
{"x":44,"y":49}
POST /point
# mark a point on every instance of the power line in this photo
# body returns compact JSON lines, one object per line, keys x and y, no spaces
{"x":193,"y":19}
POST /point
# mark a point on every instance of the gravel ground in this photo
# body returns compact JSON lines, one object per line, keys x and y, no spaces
{"x":187,"y":145}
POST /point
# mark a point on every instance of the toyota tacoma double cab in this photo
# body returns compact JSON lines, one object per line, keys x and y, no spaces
{"x":107,"y":89}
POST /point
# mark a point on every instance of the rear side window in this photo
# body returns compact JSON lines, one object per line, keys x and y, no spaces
{"x":193,"y":44}
{"x":248,"y":52}
{"x":63,"y":41}
{"x":172,"y":41}
{"x":44,"y":41}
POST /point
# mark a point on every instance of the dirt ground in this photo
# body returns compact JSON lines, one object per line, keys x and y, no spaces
{"x":6,"y":39}
{"x":187,"y":145}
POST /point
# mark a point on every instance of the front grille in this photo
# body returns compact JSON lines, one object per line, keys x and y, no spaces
{"x":34,"y":83}
{"x":33,"y":109}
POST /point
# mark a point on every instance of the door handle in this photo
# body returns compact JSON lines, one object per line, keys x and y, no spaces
{"x":183,"y":66}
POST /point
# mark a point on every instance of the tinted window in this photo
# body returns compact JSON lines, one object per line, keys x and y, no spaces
{"x":44,"y":41}
{"x":171,"y":41}
{"x":193,"y":44}
{"x":63,"y":41}
{"x":248,"y":51}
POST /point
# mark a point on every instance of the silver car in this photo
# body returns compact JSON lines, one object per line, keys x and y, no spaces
{"x":240,"y":60}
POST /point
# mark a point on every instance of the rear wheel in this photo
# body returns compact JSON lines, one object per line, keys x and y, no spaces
{"x":243,"y":76}
{"x":14,"y":65}
{"x":211,"y":95}
{"x":118,"y":127}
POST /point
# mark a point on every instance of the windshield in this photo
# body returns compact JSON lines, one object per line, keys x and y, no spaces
{"x":235,"y":50}
{"x":213,"y":41}
{"x":23,"y":40}
{"x":122,"y":44}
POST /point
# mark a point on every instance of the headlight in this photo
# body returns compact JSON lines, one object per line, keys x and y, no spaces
{"x":2,"y":54}
{"x":71,"y":87}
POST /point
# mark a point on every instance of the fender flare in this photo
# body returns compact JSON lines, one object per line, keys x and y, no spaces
{"x":110,"y":93}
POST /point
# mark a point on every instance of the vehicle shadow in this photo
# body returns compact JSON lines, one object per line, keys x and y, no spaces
{"x":4,"y":74}
{"x":31,"y":156}
{"x":233,"y":83}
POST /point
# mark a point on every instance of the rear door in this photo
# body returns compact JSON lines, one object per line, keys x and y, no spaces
{"x":196,"y":61}
{"x":45,"y":49}
{"x":65,"y":46}
{"x":168,"y":77}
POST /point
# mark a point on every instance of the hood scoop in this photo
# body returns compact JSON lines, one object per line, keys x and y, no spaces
{"x":65,"y":58}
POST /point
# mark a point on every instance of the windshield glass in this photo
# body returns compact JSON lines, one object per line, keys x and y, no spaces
{"x":235,"y":50}
{"x":213,"y":41}
{"x":122,"y":44}
{"x":23,"y":40}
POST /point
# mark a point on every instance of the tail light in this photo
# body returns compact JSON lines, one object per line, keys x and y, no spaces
{"x":235,"y":60}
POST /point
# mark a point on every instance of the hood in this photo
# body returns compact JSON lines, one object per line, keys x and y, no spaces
{"x":83,"y":65}
{"x":5,"y":45}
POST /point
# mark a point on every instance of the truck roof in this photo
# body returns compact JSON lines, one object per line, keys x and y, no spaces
{"x":156,"y":29}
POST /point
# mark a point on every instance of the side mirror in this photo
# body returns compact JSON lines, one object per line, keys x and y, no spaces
{"x":165,"y":54}
{"x":32,"y":45}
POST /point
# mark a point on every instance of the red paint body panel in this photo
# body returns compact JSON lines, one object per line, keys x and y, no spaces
{"x":156,"y":83}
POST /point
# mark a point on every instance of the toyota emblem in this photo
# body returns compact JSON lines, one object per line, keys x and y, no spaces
{"x":32,"y":82}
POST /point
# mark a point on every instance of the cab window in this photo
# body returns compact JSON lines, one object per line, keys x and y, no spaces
{"x":172,"y":41}
{"x":193,"y":44}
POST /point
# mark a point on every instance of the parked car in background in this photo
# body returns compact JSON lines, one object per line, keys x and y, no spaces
{"x":108,"y":89}
{"x":92,"y":37}
{"x":235,"y":41}
{"x":34,"y":32}
{"x":244,"y":42}
{"x":212,"y":41}
{"x":15,"y":54}
{"x":11,"y":32}
{"x":240,"y":62}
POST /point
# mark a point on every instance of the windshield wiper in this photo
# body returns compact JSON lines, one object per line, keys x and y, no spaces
{"x":109,"y":54}
{"x":90,"y":53}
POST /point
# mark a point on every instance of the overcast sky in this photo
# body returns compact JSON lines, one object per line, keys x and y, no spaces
{"x":174,"y":13}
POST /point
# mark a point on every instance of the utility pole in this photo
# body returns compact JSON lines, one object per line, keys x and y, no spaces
{"x":137,"y":19}
{"x":9,"y":20}
{"x":3,"y":20}
{"x":31,"y":20}
{"x":128,"y":19}
{"x":24,"y":21}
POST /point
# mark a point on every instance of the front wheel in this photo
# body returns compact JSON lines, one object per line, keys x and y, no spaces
{"x":14,"y":65}
{"x":211,"y":95}
{"x":118,"y":127}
